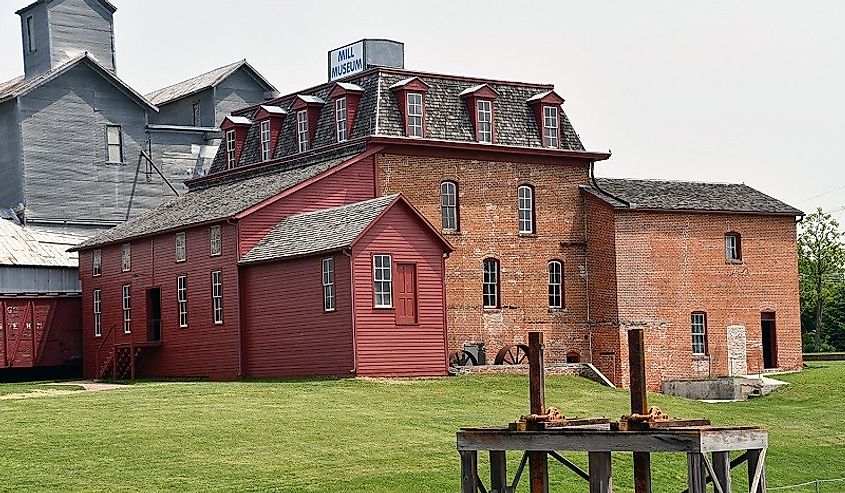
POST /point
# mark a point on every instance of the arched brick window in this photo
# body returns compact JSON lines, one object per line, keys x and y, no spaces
{"x":556,"y":284}
{"x":490,"y":293}
{"x":733,"y":247}
{"x":525,"y":207}
{"x":449,"y":205}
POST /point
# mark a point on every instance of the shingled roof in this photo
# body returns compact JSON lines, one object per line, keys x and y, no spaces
{"x":321,"y":231}
{"x":223,"y":199}
{"x":687,"y":196}
{"x":203,"y":81}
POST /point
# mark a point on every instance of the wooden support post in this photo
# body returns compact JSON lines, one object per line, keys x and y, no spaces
{"x":639,"y":405}
{"x":696,"y":473}
{"x":538,"y":462}
{"x":757,"y":471}
{"x":469,"y":471}
{"x":600,"y":472}
{"x":498,"y":472}
{"x":722,"y":469}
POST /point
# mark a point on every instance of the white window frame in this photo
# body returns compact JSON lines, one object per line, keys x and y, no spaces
{"x":698,"y":328}
{"x":414,"y":114}
{"x":96,"y":263}
{"x":182,"y":300}
{"x":340,"y":118}
{"x":302,"y":129}
{"x":30,"y":29}
{"x":217,"y":296}
{"x":114,"y":143}
{"x":230,"y":148}
{"x":181,"y":247}
{"x":556,"y":284}
{"x":328,"y":285}
{"x":449,"y":205}
{"x":490,"y":283}
{"x":126,"y":258}
{"x":127,"y":309}
{"x":215,"y":246}
{"x":382,"y":281}
{"x":525,"y":209}
{"x":266,"y":155}
{"x":98,"y":313}
{"x":484,"y":120}
{"x":732,"y":247}
{"x":551,"y":126}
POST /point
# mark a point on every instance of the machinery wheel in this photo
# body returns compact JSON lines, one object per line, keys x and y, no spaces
{"x":462,"y":358}
{"x":512,"y":355}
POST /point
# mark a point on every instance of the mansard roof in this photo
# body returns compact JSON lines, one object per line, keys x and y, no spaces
{"x":205,"y":81}
{"x":665,"y":195}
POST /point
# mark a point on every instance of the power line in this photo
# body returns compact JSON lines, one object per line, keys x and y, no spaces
{"x":821,"y":194}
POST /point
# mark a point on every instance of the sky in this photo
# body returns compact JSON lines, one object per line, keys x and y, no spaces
{"x":724,"y":91}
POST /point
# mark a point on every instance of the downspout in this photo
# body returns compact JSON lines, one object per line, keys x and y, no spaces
{"x":348,"y":253}
{"x":587,"y":272}
{"x":445,"y":315}
{"x":238,"y":291}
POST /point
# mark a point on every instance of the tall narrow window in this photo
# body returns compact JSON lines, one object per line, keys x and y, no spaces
{"x":96,"y":262}
{"x":181,"y":247}
{"x":555,"y":284}
{"x":230,"y":149}
{"x":449,"y":205}
{"x":733,"y":251}
{"x":114,"y":142}
{"x":126,"y":258}
{"x":182,"y":299}
{"x":383,"y":281}
{"x":698,"y":322}
{"x":525,"y":204}
{"x":415,"y":114}
{"x":490,"y":281}
{"x":328,"y":284}
{"x":217,"y":296}
{"x":216,"y":244}
{"x":340,"y":118}
{"x":197,"y":114}
{"x":30,"y":30}
{"x":127,"y":309}
{"x":551,"y":127}
{"x":302,"y":129}
{"x":484,"y":121}
{"x":265,"y":140}
{"x":98,"y":313}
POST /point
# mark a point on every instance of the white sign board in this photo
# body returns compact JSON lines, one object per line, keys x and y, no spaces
{"x":346,"y":61}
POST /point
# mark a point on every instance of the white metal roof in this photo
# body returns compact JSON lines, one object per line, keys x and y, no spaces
{"x":274,"y":110}
{"x":23,"y":246}
{"x":351,"y":87}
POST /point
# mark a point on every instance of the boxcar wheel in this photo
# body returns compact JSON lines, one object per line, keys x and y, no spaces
{"x":512,"y":355}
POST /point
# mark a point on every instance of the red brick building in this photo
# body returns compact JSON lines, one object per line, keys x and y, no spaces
{"x":538,"y":244}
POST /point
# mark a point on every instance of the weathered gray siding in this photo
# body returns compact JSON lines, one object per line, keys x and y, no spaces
{"x":25,"y":279}
{"x":183,"y":155}
{"x":37,"y":61}
{"x":81,"y":25}
{"x":235,"y":92}
{"x":11,"y":179}
{"x":181,"y":111}
{"x":64,"y":160}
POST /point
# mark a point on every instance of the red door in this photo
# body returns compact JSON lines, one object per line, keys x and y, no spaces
{"x":406,"y":294}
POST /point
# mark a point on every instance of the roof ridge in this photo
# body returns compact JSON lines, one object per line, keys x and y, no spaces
{"x":656,"y":180}
{"x":239,"y":63}
{"x":346,"y":206}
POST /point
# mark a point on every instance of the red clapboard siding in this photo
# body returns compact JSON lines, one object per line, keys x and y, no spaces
{"x":384,"y":348}
{"x":200,"y":350}
{"x":40,"y":331}
{"x":351,"y":184}
{"x":286,"y":331}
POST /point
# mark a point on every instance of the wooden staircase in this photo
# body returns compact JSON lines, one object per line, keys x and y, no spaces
{"x":119,"y":361}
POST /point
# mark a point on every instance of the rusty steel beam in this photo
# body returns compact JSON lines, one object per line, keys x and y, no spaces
{"x":639,"y":405}
{"x":538,"y":462}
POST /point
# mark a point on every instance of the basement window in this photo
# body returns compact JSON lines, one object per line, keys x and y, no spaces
{"x":182,"y":299}
{"x":383,"y":281}
{"x":181,"y":247}
{"x":328,"y":285}
{"x":490,"y":288}
{"x":98,"y":313}
{"x":551,"y":127}
{"x":126,"y":258}
{"x":302,"y":129}
{"x":127,"y":309}
{"x":114,"y":143}
{"x":733,"y":247}
{"x":698,"y":324}
{"x":340,"y":118}
{"x":216,"y":244}
{"x":96,"y":262}
{"x":217,"y":296}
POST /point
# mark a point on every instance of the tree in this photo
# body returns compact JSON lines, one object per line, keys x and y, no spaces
{"x":821,"y":263}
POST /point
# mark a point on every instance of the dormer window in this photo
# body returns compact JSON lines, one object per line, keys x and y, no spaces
{"x":346,"y":97}
{"x":234,"y":129}
{"x":415,"y":114}
{"x":551,"y":127}
{"x":410,"y":96}
{"x":479,"y":105}
{"x":270,"y":126}
{"x":546,"y":106}
{"x":302,"y":129}
{"x":266,"y":152}
{"x":230,"y":149}
{"x":340,"y":118}
{"x":484,"y":120}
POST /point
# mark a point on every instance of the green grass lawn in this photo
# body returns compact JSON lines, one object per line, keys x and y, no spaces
{"x":362,"y":435}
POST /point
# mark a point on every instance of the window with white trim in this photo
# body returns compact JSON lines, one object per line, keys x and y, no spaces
{"x":490,"y":288}
{"x":181,"y":247}
{"x":217,"y":296}
{"x":525,"y":205}
{"x":698,"y":324}
{"x":215,"y":242}
{"x":114,"y":143}
{"x":265,"y":141}
{"x":383,"y":281}
{"x":302,"y":129}
{"x":733,"y":251}
{"x":484,"y":121}
{"x":182,"y":299}
{"x":230,"y":148}
{"x":449,"y":205}
{"x":126,"y":258}
{"x":127,"y":309}
{"x":555,"y":284}
{"x":340,"y":118}
{"x":96,"y":262}
{"x":98,"y":313}
{"x":414,"y":114}
{"x":328,"y":284}
{"x":551,"y":127}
